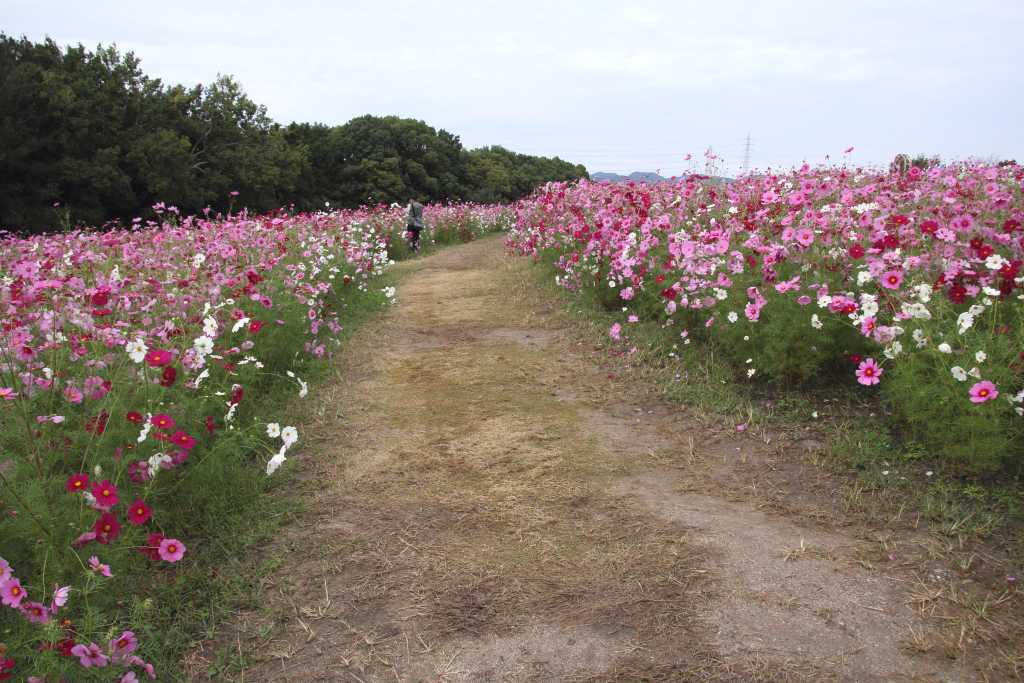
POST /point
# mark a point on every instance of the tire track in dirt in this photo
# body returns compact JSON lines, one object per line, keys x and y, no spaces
{"x":490,"y":506}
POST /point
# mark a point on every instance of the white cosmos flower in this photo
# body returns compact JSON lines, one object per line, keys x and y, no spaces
{"x":980,"y":356}
{"x":733,"y":316}
{"x":303,"y":388}
{"x":242,"y":322}
{"x":276,"y":461}
{"x":209,"y":326}
{"x":863,"y":277}
{"x":994,"y":262}
{"x":945,"y":348}
{"x":137,"y":350}
{"x":751,"y":372}
{"x":964,"y":322}
{"x":289,"y":435}
{"x":816,"y":322}
{"x":198,"y":260}
{"x":975,"y":373}
{"x":892,"y":350}
{"x":924,"y":293}
{"x":959,"y":373}
{"x":273,"y":430}
{"x":203,"y":346}
{"x":919,"y":337}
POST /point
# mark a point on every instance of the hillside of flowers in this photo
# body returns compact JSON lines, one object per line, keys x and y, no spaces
{"x":905,"y":285}
{"x":135,"y":370}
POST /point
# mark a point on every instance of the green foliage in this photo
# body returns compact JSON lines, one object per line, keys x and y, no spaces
{"x":90,"y":131}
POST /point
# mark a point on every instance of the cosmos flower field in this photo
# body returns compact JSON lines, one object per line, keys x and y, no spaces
{"x":905,"y":286}
{"x":136,"y":371}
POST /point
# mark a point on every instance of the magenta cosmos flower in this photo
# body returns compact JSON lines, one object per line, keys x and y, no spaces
{"x":104,"y":492}
{"x":984,"y":391}
{"x":868,"y":372}
{"x":158,"y":358}
{"x":171,"y":550}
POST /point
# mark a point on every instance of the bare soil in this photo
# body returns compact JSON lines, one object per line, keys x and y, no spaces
{"x":491,"y":503}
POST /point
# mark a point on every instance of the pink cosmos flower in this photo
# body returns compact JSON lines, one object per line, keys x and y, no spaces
{"x":892,"y":279}
{"x":90,"y":655}
{"x":35,"y":612}
{"x":171,"y":550}
{"x":123,"y":645}
{"x":983,"y":391}
{"x":60,"y":598}
{"x":129,"y":677}
{"x":5,"y":570}
{"x":868,"y":372}
{"x":8,"y":394}
{"x":135,"y":660}
{"x":805,"y":237}
{"x":99,"y":567}
{"x":616,"y":332}
{"x":11,"y":593}
{"x":73,"y":395}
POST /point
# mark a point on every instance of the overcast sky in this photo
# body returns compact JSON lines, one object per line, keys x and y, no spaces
{"x":617,"y":86}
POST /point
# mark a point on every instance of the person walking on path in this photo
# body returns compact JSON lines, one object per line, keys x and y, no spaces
{"x":414,"y":224}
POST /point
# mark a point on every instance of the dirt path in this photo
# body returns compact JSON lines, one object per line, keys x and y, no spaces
{"x":493,"y":506}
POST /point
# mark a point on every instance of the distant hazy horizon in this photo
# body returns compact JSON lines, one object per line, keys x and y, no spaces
{"x":616,"y":88}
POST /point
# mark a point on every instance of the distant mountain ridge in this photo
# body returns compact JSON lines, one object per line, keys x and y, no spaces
{"x":635,"y":176}
{"x":642,"y":177}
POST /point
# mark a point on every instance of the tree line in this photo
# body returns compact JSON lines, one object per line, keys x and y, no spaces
{"x":89,"y":133}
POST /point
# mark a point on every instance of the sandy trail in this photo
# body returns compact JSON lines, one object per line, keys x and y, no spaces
{"x":492,"y":506}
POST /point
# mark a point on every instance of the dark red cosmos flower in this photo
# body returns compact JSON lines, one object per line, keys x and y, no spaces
{"x":929,"y":227}
{"x":97,"y":424}
{"x":1011,"y":225}
{"x":180,"y":438}
{"x":100,"y":298}
{"x":255,"y":326}
{"x":77,"y":482}
{"x":856,"y":251}
{"x":152,"y":547}
{"x":957,"y":294}
{"x":856,"y":358}
{"x":210,"y":424}
{"x":6,"y":667}
{"x":134,"y":417}
{"x":168,"y":377}
{"x":669,"y":293}
{"x":139,"y":513}
{"x":236,"y":395}
{"x":107,"y":528}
